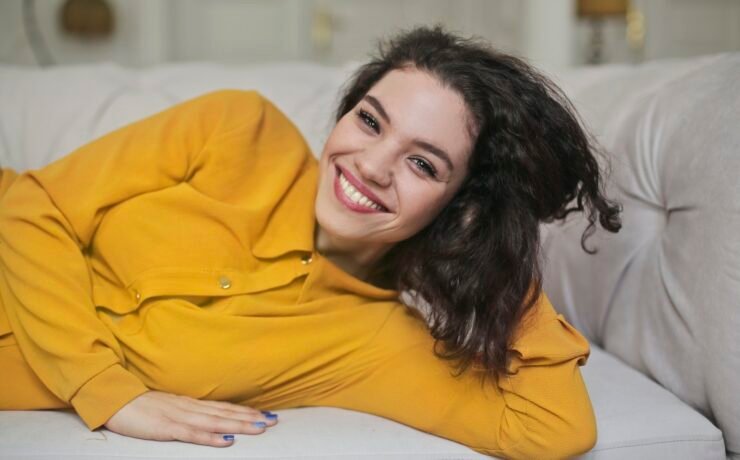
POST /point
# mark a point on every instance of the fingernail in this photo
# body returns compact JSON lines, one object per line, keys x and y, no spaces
{"x":266,"y":412}
{"x":228,"y":437}
{"x":272,"y":416}
{"x":259,"y":424}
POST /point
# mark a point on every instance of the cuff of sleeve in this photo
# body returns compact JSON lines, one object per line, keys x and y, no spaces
{"x":103,"y":395}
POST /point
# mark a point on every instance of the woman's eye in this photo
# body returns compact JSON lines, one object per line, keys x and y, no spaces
{"x":425,"y":167}
{"x":369,"y":120}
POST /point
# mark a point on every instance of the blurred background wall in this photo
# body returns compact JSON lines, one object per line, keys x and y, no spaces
{"x":550,"y":33}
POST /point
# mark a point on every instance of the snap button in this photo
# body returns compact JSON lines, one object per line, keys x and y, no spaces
{"x":306,"y":259}
{"x":224,"y":281}
{"x":137,"y":294}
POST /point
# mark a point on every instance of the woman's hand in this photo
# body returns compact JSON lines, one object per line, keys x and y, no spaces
{"x":166,"y":417}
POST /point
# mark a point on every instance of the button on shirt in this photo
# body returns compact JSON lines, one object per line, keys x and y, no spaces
{"x":183,"y":255}
{"x":224,"y":282}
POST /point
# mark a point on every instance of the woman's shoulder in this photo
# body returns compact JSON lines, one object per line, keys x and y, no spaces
{"x":249,"y":121}
{"x":238,"y":104}
{"x":227,"y":96}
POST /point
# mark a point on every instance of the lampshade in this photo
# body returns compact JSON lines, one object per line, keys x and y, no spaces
{"x":87,"y":18}
{"x":600,"y":8}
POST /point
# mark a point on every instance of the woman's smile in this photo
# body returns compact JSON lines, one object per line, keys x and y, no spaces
{"x":354,"y":195}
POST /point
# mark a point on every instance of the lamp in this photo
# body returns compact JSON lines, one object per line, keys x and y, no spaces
{"x":596,"y":11}
{"x":87,"y":18}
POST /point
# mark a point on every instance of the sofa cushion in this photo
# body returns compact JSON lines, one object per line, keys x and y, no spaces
{"x":662,"y":294}
{"x":636,"y":419}
{"x":639,"y":419}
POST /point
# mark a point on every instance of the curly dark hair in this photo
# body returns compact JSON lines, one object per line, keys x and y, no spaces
{"x":477,"y":264}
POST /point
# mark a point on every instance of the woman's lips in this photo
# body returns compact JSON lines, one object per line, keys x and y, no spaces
{"x":339,"y":192}
{"x":360,"y":187}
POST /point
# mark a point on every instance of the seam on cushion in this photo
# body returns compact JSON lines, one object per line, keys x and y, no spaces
{"x":667,"y":441}
{"x":688,"y":72}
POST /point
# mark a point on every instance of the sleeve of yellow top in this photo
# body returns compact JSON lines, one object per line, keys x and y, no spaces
{"x":542,"y":411}
{"x":48,"y":218}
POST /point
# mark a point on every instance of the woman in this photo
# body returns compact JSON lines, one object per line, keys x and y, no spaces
{"x":172,"y":278}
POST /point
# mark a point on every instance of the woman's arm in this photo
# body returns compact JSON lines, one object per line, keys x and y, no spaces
{"x":48,"y":218}
{"x":543,"y":411}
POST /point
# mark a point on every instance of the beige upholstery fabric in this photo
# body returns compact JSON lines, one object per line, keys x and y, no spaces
{"x":664,"y":294}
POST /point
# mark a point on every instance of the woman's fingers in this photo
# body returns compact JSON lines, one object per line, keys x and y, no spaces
{"x":225,"y":410}
{"x":165,"y":417}
{"x":247,"y":424}
{"x":234,"y":415}
{"x":209,"y":430}
{"x":186,"y":433}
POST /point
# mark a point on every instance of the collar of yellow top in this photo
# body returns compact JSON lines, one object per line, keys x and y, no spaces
{"x":290,"y":228}
{"x":290,"y":225}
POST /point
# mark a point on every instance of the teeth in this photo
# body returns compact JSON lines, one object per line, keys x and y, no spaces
{"x":354,"y":194}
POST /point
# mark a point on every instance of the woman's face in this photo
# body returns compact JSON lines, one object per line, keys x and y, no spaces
{"x":393,"y":161}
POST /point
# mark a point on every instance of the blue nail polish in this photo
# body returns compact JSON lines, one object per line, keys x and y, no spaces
{"x":272,"y":416}
{"x":228,"y":437}
{"x":266,"y":412}
{"x":259,"y":424}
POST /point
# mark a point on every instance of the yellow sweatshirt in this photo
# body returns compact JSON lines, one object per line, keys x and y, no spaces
{"x":176,"y":254}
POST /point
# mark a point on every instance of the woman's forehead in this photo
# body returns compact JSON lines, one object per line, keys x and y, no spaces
{"x":419,"y":106}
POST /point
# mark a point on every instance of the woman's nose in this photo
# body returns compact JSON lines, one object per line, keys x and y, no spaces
{"x":375,"y":167}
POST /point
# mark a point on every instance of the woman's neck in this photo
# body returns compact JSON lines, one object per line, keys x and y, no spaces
{"x":354,"y":258}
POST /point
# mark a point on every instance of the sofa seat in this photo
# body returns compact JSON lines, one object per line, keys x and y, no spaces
{"x":637,"y":419}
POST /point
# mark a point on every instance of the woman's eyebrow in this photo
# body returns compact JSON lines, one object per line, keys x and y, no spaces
{"x":433,"y":149}
{"x":379,"y":107}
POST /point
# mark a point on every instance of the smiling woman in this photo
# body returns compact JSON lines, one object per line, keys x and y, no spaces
{"x":472,"y":149}
{"x":396,"y":174}
{"x":444,"y":159}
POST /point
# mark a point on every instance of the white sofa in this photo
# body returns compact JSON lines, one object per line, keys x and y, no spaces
{"x":659,"y":302}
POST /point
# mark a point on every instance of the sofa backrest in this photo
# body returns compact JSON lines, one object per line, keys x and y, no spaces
{"x":46,"y":113}
{"x":664,"y":293}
